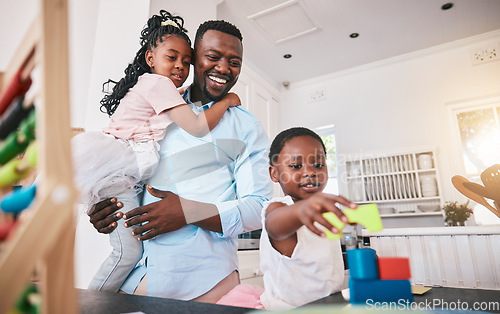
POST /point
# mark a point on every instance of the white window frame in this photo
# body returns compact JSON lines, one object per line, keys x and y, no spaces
{"x":333,"y":182}
{"x":482,"y":216}
{"x":476,"y":104}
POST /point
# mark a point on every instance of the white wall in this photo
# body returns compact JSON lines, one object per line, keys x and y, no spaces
{"x":116,"y":40}
{"x":397,"y":104}
{"x":104,"y":39}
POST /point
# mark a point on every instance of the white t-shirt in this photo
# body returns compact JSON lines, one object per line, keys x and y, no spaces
{"x":315,"y":269}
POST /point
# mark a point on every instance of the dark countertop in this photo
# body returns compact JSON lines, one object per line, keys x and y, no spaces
{"x":96,"y":302}
{"x":93,"y":302}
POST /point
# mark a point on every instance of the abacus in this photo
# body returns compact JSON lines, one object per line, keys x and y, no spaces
{"x":44,"y":240}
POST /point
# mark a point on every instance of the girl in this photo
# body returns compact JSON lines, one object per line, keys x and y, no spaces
{"x":299,"y":264}
{"x":113,"y":163}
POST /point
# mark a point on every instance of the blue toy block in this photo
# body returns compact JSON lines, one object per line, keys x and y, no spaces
{"x":18,"y":200}
{"x":377,"y":290}
{"x":362,"y":264}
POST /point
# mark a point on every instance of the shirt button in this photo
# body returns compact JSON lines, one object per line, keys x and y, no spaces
{"x":166,"y":178}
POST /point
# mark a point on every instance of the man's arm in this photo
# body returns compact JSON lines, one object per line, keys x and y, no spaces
{"x":252,"y":182}
{"x":253,"y":186}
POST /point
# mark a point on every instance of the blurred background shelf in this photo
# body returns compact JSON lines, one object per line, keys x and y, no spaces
{"x":401,"y":184}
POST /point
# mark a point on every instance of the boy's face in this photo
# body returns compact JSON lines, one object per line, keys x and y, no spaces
{"x":301,"y":168}
{"x":217,"y":65}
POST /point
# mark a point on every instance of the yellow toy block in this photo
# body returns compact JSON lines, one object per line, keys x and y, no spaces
{"x":366,"y":215}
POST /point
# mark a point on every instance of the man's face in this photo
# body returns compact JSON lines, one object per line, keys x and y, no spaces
{"x":217,"y":64}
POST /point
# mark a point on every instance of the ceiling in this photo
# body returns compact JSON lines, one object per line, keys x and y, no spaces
{"x":317,"y":32}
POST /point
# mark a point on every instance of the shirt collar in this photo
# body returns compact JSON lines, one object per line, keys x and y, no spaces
{"x":187,"y":98}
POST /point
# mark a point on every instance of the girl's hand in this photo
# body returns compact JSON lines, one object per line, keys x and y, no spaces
{"x":233,"y":99}
{"x":310,"y":210}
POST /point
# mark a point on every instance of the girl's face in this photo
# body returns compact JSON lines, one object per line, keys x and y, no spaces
{"x":301,"y":167}
{"x":171,"y":58}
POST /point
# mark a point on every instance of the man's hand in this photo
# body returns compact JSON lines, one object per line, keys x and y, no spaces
{"x":102,"y":217}
{"x":159,"y":217}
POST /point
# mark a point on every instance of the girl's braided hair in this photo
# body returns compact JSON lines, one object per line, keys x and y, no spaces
{"x":153,"y":33}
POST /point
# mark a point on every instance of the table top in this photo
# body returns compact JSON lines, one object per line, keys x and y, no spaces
{"x":437,"y":299}
{"x":97,"y":302}
{"x":442,"y":298}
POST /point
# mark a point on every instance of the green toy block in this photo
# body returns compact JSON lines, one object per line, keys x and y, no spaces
{"x":366,"y":215}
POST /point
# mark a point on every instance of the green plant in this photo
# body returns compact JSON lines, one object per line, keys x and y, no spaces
{"x":456,"y":214}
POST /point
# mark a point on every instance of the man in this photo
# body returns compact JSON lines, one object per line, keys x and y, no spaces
{"x":208,"y":189}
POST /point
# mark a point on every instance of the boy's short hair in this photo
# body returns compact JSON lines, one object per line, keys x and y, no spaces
{"x":286,"y":135}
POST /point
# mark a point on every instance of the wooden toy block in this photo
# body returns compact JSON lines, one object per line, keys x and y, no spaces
{"x":394,"y":268}
{"x":362,"y":264}
{"x":377,"y":290}
{"x":366,"y":215}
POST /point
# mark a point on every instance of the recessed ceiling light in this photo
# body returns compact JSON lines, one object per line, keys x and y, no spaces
{"x":287,"y":56}
{"x":354,"y":35}
{"x":447,"y":6}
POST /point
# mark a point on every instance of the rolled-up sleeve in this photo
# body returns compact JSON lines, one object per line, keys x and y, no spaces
{"x":252,"y":184}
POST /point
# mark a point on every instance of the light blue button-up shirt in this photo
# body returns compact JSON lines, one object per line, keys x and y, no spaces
{"x":229,"y":168}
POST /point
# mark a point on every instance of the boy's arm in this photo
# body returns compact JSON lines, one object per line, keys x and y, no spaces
{"x":283,"y":221}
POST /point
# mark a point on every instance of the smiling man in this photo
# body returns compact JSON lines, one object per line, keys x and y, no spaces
{"x":206,"y":190}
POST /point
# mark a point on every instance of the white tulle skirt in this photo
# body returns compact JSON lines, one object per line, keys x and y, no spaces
{"x":105,"y":167}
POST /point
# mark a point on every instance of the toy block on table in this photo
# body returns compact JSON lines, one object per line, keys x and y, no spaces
{"x":394,"y":268}
{"x":383,"y":279}
{"x":378,"y":290}
{"x":366,"y":215}
{"x":362,"y":264}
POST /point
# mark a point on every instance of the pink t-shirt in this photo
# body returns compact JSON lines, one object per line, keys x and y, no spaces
{"x":140,"y":116}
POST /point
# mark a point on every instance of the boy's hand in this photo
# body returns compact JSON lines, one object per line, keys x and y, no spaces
{"x":311,"y":210}
{"x":233,"y":99}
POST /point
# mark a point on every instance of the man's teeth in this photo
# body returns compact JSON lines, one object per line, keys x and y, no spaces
{"x":309,"y":185}
{"x":218,"y":79}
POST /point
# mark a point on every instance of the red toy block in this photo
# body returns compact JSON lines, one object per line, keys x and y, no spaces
{"x":394,"y":268}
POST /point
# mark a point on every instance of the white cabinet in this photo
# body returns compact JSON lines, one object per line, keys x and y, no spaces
{"x":463,"y":257}
{"x":249,"y":267}
{"x":401,"y":184}
{"x":260,"y":98}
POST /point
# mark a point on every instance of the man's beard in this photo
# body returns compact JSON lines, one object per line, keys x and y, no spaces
{"x":212,"y":97}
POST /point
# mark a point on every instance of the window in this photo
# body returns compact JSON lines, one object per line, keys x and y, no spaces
{"x":478,"y":131}
{"x":327,"y":134}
